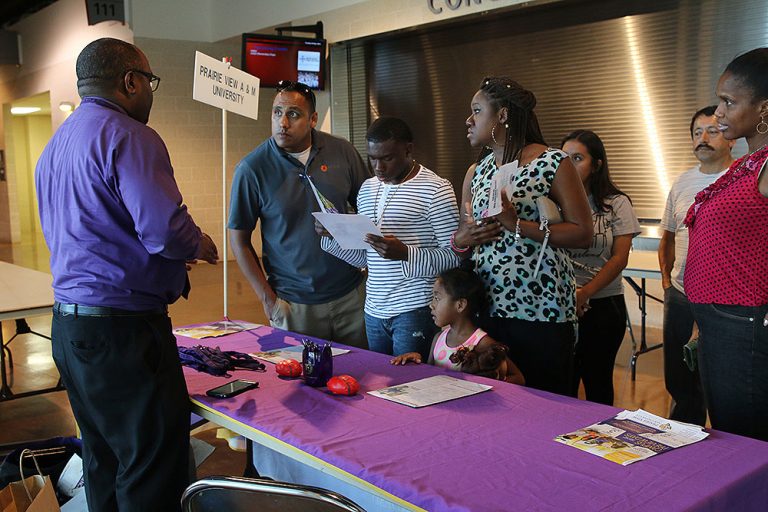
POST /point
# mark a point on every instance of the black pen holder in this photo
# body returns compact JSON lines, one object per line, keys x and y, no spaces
{"x":317,"y":361}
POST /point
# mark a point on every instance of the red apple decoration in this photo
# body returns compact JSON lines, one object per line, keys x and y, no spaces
{"x":343,"y":385}
{"x":288,"y":368}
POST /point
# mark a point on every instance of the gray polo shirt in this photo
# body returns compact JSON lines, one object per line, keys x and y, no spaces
{"x":271,"y":186}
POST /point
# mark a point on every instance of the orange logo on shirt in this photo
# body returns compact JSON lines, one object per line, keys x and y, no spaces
{"x":324,"y":168}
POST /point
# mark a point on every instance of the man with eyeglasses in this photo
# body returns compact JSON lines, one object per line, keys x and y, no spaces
{"x":119,"y":236}
{"x":302,"y":288}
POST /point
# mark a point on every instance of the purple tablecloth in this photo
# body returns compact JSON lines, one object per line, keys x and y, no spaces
{"x":492,"y":451}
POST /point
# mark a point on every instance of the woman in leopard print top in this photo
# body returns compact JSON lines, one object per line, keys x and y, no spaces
{"x":532,"y":312}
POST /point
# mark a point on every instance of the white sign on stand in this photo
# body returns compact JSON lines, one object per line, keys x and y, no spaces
{"x":217,"y":83}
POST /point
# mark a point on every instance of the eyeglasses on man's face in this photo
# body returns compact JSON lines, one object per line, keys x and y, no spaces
{"x":154,"y":80}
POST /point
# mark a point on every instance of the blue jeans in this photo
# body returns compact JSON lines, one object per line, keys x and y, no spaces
{"x":682,"y":384}
{"x":733,"y":361}
{"x":411,"y":331}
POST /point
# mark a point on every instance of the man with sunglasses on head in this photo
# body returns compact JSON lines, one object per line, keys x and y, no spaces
{"x":119,"y":236}
{"x":302,"y":288}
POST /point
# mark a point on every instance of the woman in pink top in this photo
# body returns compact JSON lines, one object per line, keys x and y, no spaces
{"x":726,"y":275}
{"x":459,"y":296}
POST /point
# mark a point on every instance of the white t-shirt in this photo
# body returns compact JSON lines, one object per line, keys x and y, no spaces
{"x":302,"y":156}
{"x":679,"y":200}
{"x":619,"y":220}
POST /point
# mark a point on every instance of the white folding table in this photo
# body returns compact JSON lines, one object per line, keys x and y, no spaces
{"x":25,"y":293}
{"x":643,"y":265}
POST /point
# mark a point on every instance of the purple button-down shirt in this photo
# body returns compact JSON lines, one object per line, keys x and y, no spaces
{"x":111,"y":212}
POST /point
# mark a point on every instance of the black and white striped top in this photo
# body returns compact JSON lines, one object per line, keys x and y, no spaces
{"x":421,"y":213}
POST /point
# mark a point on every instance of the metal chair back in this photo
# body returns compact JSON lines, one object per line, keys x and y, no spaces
{"x":236,"y":494}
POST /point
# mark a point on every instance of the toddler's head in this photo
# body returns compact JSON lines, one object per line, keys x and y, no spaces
{"x":457,"y":293}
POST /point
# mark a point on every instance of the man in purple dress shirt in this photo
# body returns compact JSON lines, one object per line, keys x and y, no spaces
{"x":119,"y":235}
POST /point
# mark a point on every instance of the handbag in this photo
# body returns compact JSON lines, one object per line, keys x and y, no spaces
{"x":549,"y":213}
{"x":690,"y":353}
{"x":549,"y":210}
{"x":31,"y":494}
{"x":52,"y":455}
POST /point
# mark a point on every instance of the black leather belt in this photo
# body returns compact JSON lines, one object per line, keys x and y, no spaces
{"x":78,"y":310}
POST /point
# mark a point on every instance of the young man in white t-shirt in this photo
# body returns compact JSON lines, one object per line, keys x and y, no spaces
{"x":713,"y":152}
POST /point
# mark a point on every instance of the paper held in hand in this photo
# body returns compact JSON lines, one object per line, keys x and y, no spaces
{"x":502,"y":181}
{"x":430,"y":391}
{"x":348,"y":230}
{"x":631,"y":436}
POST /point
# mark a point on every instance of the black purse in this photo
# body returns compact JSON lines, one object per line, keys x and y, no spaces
{"x":690,"y":353}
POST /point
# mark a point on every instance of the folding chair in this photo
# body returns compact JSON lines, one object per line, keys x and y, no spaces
{"x":235,"y":494}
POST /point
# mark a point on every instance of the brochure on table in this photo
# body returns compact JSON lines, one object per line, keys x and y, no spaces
{"x":430,"y":391}
{"x":215,"y":329}
{"x":631,"y":436}
{"x":295,"y":353}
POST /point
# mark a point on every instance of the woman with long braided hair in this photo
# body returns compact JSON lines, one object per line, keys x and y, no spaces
{"x":517,"y":253}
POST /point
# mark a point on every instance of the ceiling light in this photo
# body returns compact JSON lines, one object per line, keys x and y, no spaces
{"x":66,"y":106}
{"x":20,"y":111}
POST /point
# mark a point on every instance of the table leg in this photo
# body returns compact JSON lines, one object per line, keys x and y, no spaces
{"x":22,"y":327}
{"x":643,"y":314}
{"x":250,"y":470}
{"x":5,"y":390}
{"x":642,"y":295}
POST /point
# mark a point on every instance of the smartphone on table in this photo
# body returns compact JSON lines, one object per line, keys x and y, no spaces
{"x":232,"y":388}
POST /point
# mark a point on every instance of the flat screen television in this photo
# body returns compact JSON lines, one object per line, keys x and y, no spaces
{"x":275,"y":58}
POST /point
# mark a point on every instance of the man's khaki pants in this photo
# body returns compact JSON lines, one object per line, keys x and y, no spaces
{"x":338,"y":320}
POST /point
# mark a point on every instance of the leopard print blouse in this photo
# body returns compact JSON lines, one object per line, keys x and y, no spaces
{"x":507,"y":267}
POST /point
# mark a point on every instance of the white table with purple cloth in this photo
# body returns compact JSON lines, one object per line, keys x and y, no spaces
{"x":493,"y":451}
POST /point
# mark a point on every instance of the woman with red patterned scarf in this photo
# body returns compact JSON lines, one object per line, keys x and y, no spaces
{"x":726,"y":275}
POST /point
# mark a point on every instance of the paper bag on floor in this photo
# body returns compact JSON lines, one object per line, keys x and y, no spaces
{"x":16,"y":496}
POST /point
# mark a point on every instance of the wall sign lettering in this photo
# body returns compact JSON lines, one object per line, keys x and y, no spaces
{"x":436,"y":6}
{"x":105,"y":10}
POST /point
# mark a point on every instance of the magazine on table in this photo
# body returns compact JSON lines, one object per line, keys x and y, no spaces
{"x":631,"y":436}
{"x":430,"y":391}
{"x":215,"y":329}
{"x":293,"y":352}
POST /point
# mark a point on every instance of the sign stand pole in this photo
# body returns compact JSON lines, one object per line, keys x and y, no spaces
{"x":228,"y":61}
{"x":220,"y":85}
